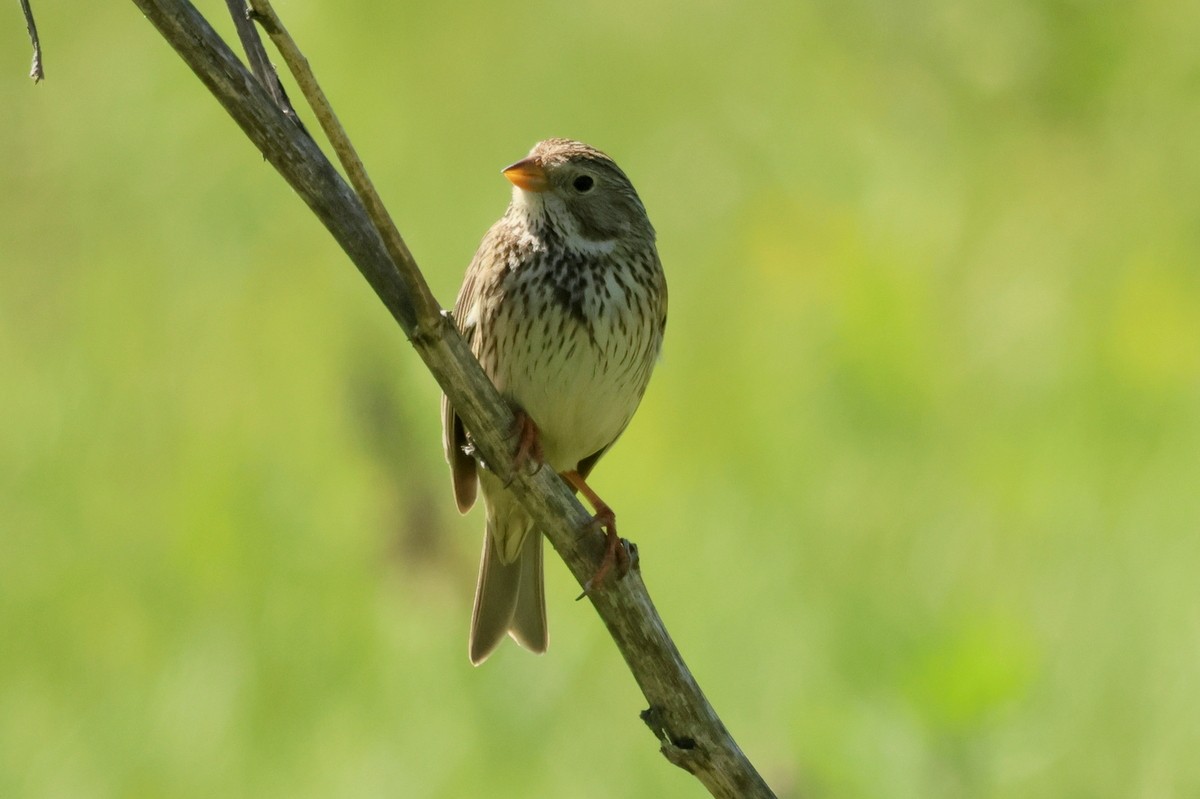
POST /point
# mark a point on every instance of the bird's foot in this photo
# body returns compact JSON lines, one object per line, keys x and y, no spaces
{"x":529,"y":445}
{"x":616,"y":554}
{"x":616,"y":550}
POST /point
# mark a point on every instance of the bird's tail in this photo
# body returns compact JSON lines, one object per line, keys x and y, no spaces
{"x":509,"y":596}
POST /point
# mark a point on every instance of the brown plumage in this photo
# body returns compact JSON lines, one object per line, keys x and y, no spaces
{"x":564,"y":304}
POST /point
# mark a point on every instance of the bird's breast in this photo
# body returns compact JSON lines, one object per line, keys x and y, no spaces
{"x":575,"y":350}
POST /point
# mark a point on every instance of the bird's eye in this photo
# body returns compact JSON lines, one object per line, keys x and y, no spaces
{"x":583,"y":184}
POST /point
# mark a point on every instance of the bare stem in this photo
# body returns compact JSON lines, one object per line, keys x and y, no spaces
{"x":36,"y":70}
{"x":690,"y":733}
{"x":428,"y":310}
{"x":256,"y":57}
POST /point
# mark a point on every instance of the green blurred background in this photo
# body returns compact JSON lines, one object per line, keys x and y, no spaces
{"x":915,"y":484}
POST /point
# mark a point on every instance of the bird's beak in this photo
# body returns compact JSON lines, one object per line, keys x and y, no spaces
{"x":527,"y":174}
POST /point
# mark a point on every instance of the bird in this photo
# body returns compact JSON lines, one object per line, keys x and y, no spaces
{"x":565,"y":306}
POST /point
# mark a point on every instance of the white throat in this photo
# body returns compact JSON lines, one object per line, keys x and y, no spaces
{"x":541,"y":208}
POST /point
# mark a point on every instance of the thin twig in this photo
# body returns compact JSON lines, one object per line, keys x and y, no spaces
{"x":256,"y":57}
{"x":36,"y":70}
{"x":428,"y":310}
{"x":691,"y":734}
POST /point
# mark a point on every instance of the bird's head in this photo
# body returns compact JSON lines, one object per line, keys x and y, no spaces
{"x":578,"y":191}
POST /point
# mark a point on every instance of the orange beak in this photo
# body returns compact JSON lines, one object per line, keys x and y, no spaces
{"x":527,"y":174}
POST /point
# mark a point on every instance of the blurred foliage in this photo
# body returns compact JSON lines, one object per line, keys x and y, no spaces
{"x":914,"y":486}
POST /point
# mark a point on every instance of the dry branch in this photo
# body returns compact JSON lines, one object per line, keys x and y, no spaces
{"x":36,"y":70}
{"x":690,"y":733}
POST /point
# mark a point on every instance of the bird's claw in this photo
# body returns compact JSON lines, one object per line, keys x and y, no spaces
{"x":626,"y":559}
{"x":619,"y":554}
{"x":529,"y":446}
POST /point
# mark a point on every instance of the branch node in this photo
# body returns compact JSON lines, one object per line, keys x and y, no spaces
{"x":685,"y":758}
{"x":427,"y":331}
{"x":681,"y":750}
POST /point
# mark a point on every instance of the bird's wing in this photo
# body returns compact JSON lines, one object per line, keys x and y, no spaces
{"x":462,"y":463}
{"x":463,"y":466}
